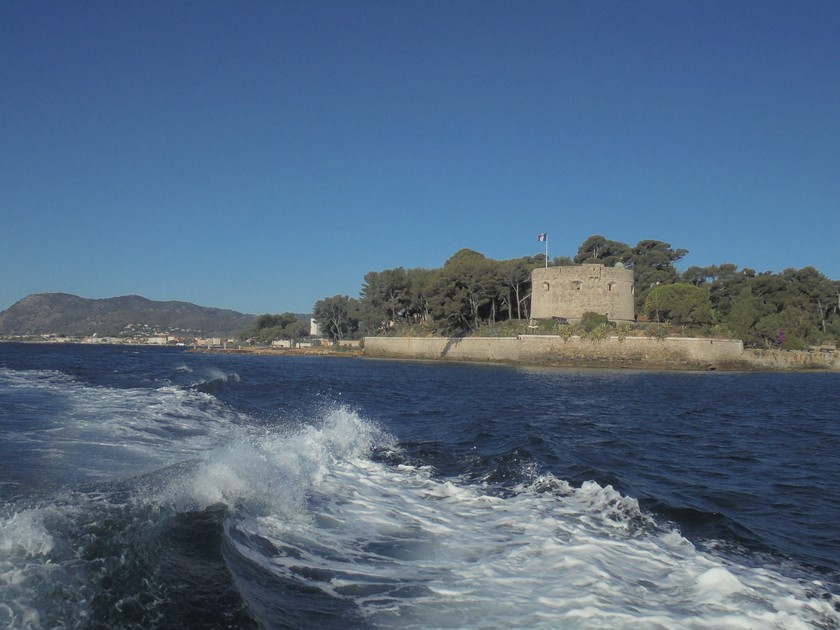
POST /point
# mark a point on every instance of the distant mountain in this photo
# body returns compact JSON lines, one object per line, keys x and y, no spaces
{"x":65,"y":314}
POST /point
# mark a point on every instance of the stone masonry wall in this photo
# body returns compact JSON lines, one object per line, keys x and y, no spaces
{"x":627,"y":352}
{"x":673,"y":352}
{"x":571,"y":291}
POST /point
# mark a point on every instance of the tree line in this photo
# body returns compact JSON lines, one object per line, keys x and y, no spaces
{"x":267,"y":328}
{"x":473,"y":294}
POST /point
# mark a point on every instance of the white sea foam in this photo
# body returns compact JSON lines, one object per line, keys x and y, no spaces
{"x":273,"y":470}
{"x":220,"y":375}
{"x":410,"y":550}
{"x":25,"y":545}
{"x":24,"y":533}
{"x":98,"y":432}
{"x":32,"y":379}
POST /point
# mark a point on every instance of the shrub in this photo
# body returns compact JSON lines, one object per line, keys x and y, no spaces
{"x":599,"y":333}
{"x":590,"y":321}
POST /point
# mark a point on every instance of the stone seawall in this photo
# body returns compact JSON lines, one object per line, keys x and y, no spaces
{"x":616,"y":352}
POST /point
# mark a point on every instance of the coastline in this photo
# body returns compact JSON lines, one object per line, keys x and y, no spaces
{"x":671,"y":353}
{"x":574,"y":353}
{"x":323,"y":351}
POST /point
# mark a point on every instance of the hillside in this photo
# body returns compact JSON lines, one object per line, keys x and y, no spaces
{"x":65,"y":314}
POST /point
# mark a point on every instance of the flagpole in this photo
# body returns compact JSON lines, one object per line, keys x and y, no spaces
{"x":544,"y":238}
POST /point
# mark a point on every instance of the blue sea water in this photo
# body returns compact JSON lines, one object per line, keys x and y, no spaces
{"x":157,"y":488}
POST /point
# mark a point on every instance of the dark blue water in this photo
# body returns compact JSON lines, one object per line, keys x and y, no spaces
{"x":150,"y":487}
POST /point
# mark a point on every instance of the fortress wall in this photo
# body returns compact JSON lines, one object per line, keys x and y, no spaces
{"x":555,"y":350}
{"x":492,"y":349}
{"x":676,"y":351}
{"x":571,"y":291}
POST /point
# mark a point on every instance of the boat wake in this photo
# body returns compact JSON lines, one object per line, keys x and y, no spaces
{"x":187,"y":513}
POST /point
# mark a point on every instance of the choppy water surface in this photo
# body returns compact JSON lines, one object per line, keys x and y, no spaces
{"x":157,"y":488}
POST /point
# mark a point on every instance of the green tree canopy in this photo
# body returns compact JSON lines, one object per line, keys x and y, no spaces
{"x":680,"y":303}
{"x":466,"y":285}
{"x":421,"y":285}
{"x":385,"y":299}
{"x":267,"y":328}
{"x":652,"y":263}
{"x":598,"y":249}
{"x":337,"y":316}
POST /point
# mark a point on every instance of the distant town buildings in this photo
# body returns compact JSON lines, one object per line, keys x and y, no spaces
{"x":127,"y":340}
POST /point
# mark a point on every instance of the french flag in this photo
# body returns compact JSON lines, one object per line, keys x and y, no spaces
{"x":542,"y":237}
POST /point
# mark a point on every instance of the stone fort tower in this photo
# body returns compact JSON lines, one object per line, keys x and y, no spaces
{"x":572,"y":291}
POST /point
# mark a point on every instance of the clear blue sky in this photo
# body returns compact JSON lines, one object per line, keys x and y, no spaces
{"x":262,"y":155}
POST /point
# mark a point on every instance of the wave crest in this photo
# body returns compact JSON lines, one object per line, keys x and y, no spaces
{"x":276,"y":469}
